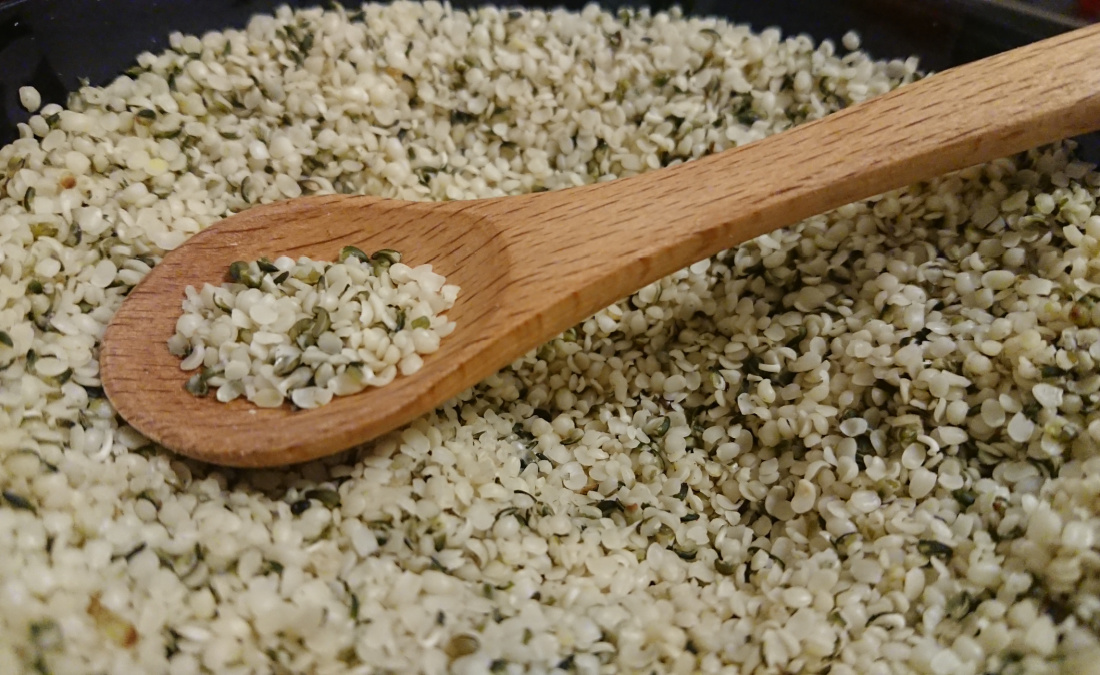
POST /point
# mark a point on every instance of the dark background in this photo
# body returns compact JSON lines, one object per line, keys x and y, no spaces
{"x":52,"y":44}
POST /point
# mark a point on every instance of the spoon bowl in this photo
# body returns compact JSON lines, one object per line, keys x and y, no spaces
{"x":152,"y":398}
{"x":531,"y":266}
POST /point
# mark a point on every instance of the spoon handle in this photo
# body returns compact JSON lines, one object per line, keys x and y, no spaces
{"x":609,"y":239}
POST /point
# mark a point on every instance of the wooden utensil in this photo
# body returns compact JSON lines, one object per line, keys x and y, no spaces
{"x":531,"y":266}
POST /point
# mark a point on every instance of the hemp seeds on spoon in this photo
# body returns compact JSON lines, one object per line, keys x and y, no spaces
{"x":306,"y":331}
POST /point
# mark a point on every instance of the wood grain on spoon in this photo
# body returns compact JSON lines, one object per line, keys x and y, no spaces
{"x":532,"y":266}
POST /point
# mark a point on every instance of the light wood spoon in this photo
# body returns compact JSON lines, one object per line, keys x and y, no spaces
{"x":532,"y":266}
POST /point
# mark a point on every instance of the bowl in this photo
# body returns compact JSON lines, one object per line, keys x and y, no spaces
{"x":723,"y":509}
{"x":55,"y":44}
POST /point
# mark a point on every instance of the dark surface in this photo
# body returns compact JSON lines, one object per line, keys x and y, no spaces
{"x":53,"y":44}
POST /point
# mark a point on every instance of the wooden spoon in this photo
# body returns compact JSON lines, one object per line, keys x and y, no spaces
{"x":532,"y":266}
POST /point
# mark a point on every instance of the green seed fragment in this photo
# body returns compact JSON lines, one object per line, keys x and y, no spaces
{"x":280,"y":278}
{"x":660,"y":427}
{"x":390,"y":256}
{"x":286,"y":364}
{"x":931,"y":547}
{"x":146,"y":116}
{"x":1065,"y":433}
{"x":308,"y":275}
{"x":267,"y":266}
{"x":845,"y":539}
{"x":354,"y":606}
{"x":252,"y":277}
{"x":959,"y":606}
{"x":607,"y":506}
{"x":421,"y":322}
{"x":965,"y":497}
{"x":684,"y":554}
{"x":6,"y":339}
{"x":236,"y":269}
{"x":330,"y":498}
{"x":399,"y":320}
{"x":42,"y":229}
{"x":353,"y":252}
{"x":28,"y":199}
{"x":382,"y":259}
{"x":46,"y":634}
{"x":462,"y":645}
{"x":301,"y":506}
{"x":196,"y":385}
{"x":321,"y":322}
{"x":35,"y":286}
{"x":18,"y":501}
{"x":1051,"y":371}
{"x":300,"y":326}
{"x":724,"y":567}
{"x":355,"y":372}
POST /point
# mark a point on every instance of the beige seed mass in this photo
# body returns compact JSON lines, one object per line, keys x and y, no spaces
{"x":666,"y":487}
